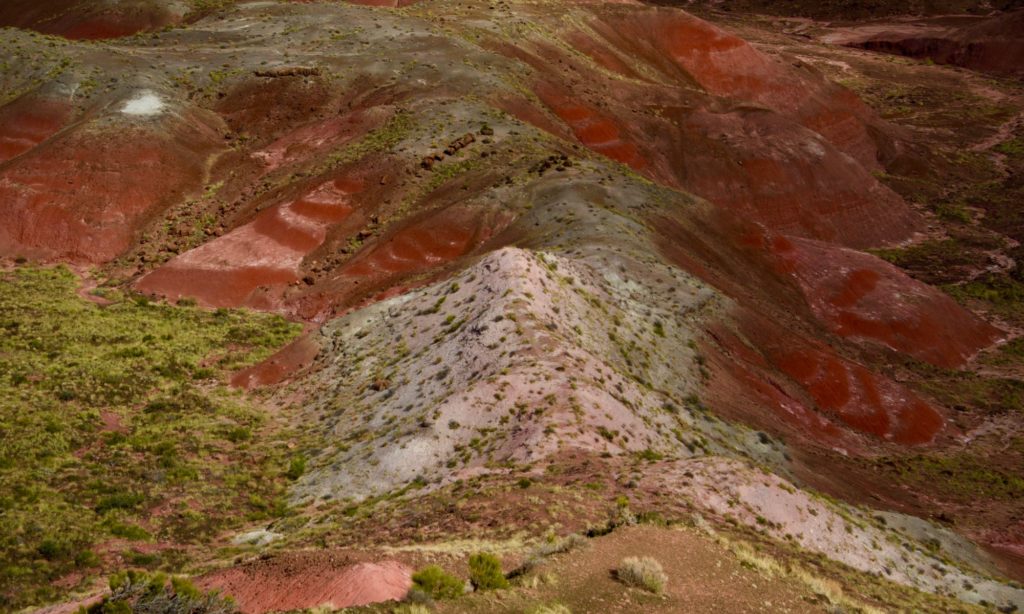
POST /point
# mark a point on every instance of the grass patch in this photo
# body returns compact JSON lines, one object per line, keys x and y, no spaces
{"x":485,"y":572}
{"x":137,"y":591}
{"x":1003,"y":292}
{"x":1013,"y":147}
{"x":964,"y":476}
{"x":643,"y":572}
{"x":437,"y":583}
{"x":108,"y":412}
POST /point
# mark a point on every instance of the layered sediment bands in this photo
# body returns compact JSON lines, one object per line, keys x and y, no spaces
{"x":305,"y":581}
{"x":789,"y":286}
{"x":703,"y":111}
{"x":424,"y":244}
{"x":753,"y":162}
{"x":862,"y":400}
{"x":318,"y":137}
{"x":863,"y":298}
{"x":90,"y":20}
{"x":812,"y":389}
{"x":84,"y":195}
{"x":599,"y":131}
{"x":763,"y":166}
{"x":27,"y":122}
{"x":747,"y":389}
{"x":252,"y":264}
{"x":688,"y":50}
{"x":994,"y":44}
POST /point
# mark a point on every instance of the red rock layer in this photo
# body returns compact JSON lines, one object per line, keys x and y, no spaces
{"x":863,"y":298}
{"x":693,"y":107}
{"x":254,"y":262}
{"x":304,"y":582}
{"x":79,"y":19}
{"x":993,"y":45}
{"x":423,"y":245}
{"x":83,"y":196}
{"x":27,"y":122}
{"x":788,"y":288}
{"x":282,"y":365}
{"x":690,"y":50}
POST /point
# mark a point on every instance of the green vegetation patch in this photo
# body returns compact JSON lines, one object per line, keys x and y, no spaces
{"x":138,"y":591}
{"x":1003,"y":292}
{"x":485,"y":572}
{"x":436,"y":583}
{"x":1013,"y":147}
{"x":964,"y":476}
{"x":115,"y":423}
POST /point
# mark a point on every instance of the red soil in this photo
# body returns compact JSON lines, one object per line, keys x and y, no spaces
{"x":743,"y":381}
{"x":864,"y":401}
{"x":257,"y":260}
{"x":301,"y":581}
{"x":692,"y":51}
{"x":994,"y":44}
{"x":764,"y":167}
{"x":317,"y":137}
{"x":282,"y":365}
{"x":83,"y":196}
{"x":862,"y":297}
{"x":839,"y":391}
{"x":27,"y":122}
{"x":769,"y":274}
{"x":79,"y":19}
{"x":598,"y":131}
{"x":787,"y":148}
{"x":415,"y":248}
{"x":418,"y":250}
{"x":272,"y":108}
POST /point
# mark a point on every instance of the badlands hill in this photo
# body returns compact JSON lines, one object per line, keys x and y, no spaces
{"x":301,"y":297}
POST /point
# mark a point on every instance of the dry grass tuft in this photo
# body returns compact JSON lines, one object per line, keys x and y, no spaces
{"x":642,"y":572}
{"x":550,"y":608}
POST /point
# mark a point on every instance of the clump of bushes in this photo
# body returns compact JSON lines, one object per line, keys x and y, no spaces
{"x":140,"y":592}
{"x":296,"y":468}
{"x":485,"y":572}
{"x":643,"y":572}
{"x":552,"y":546}
{"x":436,"y":583}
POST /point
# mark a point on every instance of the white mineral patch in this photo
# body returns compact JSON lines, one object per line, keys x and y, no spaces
{"x":144,"y":103}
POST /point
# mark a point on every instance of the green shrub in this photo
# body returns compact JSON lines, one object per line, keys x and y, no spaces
{"x":87,"y":558}
{"x":138,"y":591}
{"x":485,"y":572}
{"x":437,"y":583}
{"x":126,"y":530}
{"x":119,"y":501}
{"x":643,"y":572}
{"x":296,"y":468}
{"x":51,"y":549}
